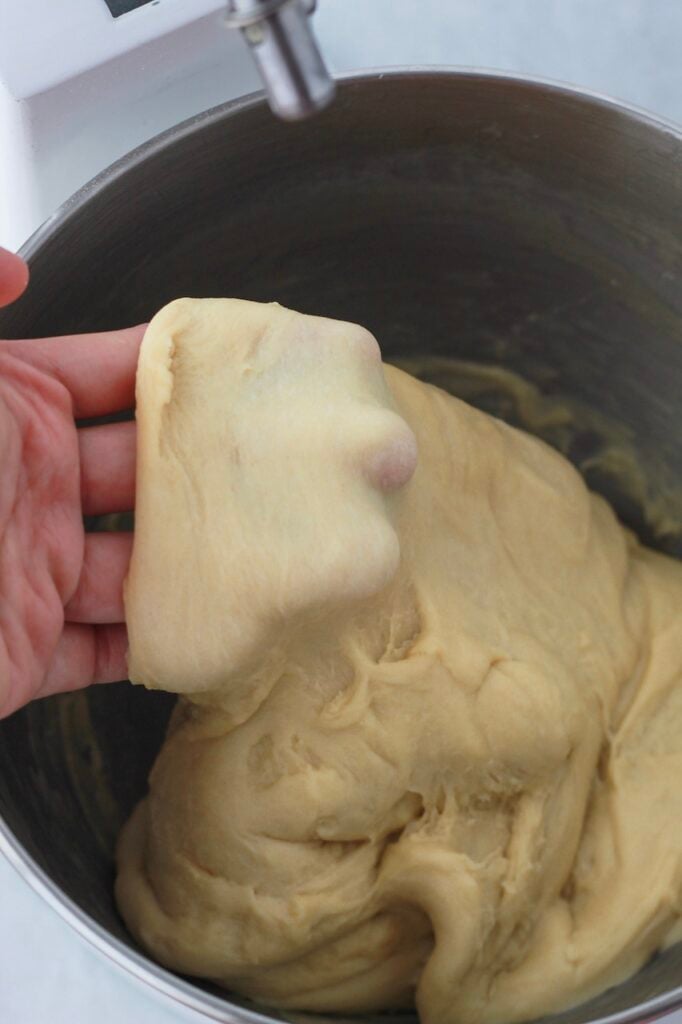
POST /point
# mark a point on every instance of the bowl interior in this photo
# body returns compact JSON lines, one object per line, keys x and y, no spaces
{"x":517,"y":243}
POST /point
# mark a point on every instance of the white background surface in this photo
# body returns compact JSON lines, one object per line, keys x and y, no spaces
{"x":627,"y":48}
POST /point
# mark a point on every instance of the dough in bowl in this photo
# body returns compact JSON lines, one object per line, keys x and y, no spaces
{"x":429,"y":740}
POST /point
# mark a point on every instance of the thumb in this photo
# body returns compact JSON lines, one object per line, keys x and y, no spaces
{"x":13,"y":277}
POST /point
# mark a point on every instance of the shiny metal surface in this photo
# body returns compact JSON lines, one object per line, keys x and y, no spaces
{"x":280,"y":37}
{"x":479,"y":217}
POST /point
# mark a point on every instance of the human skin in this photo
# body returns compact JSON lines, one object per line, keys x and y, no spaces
{"x":61,"y":608}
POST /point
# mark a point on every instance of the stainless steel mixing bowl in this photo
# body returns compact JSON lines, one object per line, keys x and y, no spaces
{"x":481,"y":217}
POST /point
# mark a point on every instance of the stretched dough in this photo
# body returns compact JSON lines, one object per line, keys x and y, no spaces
{"x":429,"y":742}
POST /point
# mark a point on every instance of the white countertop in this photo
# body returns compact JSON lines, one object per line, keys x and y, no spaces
{"x":49,"y":975}
{"x":628,"y":48}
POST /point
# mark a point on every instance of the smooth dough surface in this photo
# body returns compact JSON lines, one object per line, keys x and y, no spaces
{"x":429,"y":743}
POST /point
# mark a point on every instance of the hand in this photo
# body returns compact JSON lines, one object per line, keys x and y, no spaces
{"x":61,"y":606}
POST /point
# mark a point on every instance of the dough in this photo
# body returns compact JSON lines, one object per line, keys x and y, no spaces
{"x":429,"y":742}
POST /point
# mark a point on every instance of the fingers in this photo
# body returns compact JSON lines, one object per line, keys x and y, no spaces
{"x":97,"y":369}
{"x":85,"y":655}
{"x":99,"y":594}
{"x":107,"y":458}
{"x":93,"y":644}
{"x":13,"y":277}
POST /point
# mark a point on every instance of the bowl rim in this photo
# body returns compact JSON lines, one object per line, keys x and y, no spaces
{"x":552,"y":87}
{"x":133,"y":962}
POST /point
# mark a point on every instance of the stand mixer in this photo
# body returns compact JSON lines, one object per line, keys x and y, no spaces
{"x":279,"y":35}
{"x":83,"y":82}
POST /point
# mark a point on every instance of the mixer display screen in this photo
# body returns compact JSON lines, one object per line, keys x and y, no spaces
{"x":119,"y":7}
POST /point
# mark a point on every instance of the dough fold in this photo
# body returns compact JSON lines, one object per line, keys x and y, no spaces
{"x":429,"y":739}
